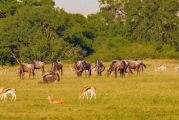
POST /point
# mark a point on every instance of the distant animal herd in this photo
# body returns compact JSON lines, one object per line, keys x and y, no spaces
{"x":121,"y":66}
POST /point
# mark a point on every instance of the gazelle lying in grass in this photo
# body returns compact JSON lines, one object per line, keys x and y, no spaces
{"x":85,"y":91}
{"x":60,"y":100}
{"x":7,"y":90}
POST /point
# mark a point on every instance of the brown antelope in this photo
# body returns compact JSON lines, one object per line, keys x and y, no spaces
{"x":60,"y":100}
{"x":85,"y":91}
{"x":7,"y":90}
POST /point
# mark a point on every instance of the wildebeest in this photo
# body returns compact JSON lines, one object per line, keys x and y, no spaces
{"x":81,"y":66}
{"x":38,"y":65}
{"x":116,"y":65}
{"x":50,"y":78}
{"x":26,"y":68}
{"x":99,"y":67}
{"x":142,"y":64}
{"x":127,"y":68}
{"x":136,"y":65}
{"x":57,"y":66}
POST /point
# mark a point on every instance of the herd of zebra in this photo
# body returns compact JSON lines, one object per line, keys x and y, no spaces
{"x":121,"y":66}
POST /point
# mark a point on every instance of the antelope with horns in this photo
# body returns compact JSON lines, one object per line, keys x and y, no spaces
{"x":85,"y":91}
{"x":7,"y":90}
{"x":60,"y":100}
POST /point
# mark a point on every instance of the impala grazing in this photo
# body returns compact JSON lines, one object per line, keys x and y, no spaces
{"x":7,"y":90}
{"x":60,"y":100}
{"x":85,"y":91}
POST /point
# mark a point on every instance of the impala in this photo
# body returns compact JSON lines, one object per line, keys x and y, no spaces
{"x":85,"y":91}
{"x":7,"y":90}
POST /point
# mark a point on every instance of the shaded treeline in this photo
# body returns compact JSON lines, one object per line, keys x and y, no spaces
{"x":35,"y":30}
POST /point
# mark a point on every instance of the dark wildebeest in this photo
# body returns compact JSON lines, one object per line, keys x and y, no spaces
{"x":99,"y":67}
{"x":57,"y":66}
{"x":81,"y":66}
{"x":117,"y":65}
{"x":26,"y":68}
{"x":136,"y":65}
{"x":50,"y":78}
{"x":142,"y":64}
{"x":38,"y":65}
{"x":128,"y":68}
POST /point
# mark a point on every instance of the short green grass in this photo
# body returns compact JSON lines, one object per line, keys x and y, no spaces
{"x":152,"y":95}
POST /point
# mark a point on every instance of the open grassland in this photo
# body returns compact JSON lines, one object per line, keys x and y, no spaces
{"x":152,"y":95}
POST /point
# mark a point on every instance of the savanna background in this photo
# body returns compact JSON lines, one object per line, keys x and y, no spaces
{"x":152,"y":95}
{"x":137,"y":29}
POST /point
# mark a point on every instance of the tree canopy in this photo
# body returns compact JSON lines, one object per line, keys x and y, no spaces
{"x":128,"y":29}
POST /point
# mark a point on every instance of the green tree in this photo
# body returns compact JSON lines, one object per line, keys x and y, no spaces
{"x":30,"y":34}
{"x":153,"y":21}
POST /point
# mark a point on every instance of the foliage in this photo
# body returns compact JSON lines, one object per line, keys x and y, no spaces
{"x":149,"y":27}
{"x":30,"y":34}
{"x":153,"y":21}
{"x":34,"y":29}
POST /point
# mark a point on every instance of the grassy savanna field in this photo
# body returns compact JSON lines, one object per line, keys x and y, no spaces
{"x":152,"y":95}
